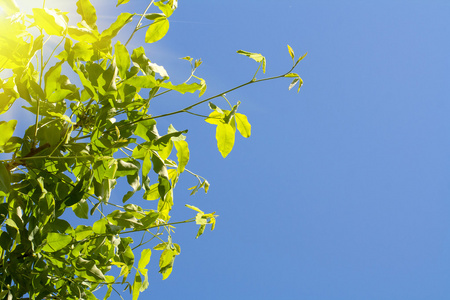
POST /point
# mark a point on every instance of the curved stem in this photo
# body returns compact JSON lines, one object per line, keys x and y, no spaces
{"x":139,"y":23}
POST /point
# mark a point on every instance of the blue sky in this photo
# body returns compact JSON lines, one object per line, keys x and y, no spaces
{"x":342,"y":191}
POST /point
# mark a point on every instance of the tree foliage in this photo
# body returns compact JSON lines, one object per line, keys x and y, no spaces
{"x":86,"y":137}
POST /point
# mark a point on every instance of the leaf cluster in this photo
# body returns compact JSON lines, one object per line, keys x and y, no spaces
{"x":87,"y":137}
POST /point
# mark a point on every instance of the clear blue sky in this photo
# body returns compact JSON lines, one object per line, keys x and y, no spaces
{"x":343,"y":190}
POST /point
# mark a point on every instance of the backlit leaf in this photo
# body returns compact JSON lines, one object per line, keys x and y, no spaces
{"x":182,"y":154}
{"x":136,"y":286}
{"x":82,"y":34}
{"x":157,"y":30}
{"x":115,"y":27}
{"x":291,"y":75}
{"x":225,"y":138}
{"x":215,"y":118}
{"x":122,"y":59}
{"x":87,"y":12}
{"x":291,"y":52}
{"x":6,"y":132}
{"x":301,"y":57}
{"x":120,"y":2}
{"x":194,"y":208}
{"x":51,"y":20}
{"x":256,"y":56}
{"x":5,"y":180}
{"x":82,"y":232}
{"x":167,"y":8}
{"x":142,"y":81}
{"x":293,"y":83}
{"x":145,"y":258}
{"x":99,"y":226}
{"x":56,"y":241}
{"x":243,"y":125}
{"x":182,"y":88}
{"x":81,"y":209}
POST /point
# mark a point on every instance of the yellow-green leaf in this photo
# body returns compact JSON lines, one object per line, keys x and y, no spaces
{"x":53,"y":21}
{"x":157,"y":30}
{"x":302,"y":57}
{"x":182,"y":154}
{"x":291,"y":75}
{"x":166,"y":262}
{"x":137,"y":286}
{"x":194,"y":208}
{"x":145,"y":258}
{"x":7,"y":130}
{"x":82,"y":34}
{"x":256,"y":56}
{"x":99,"y":226}
{"x":5,"y":179}
{"x":225,"y":138}
{"x":120,"y":2}
{"x":243,"y":125}
{"x":122,"y":59}
{"x":87,"y":12}
{"x":291,"y":52}
{"x":56,"y":241}
{"x":215,"y":118}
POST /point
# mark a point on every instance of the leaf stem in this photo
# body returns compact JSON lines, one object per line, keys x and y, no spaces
{"x":139,"y":23}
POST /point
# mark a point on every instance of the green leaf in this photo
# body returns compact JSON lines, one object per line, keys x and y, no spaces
{"x":166,"y":262}
{"x":9,"y":7}
{"x":51,"y":78}
{"x":122,"y":59}
{"x":136,"y":286}
{"x":302,"y":57}
{"x":82,"y":232}
{"x":294,"y":82}
{"x":81,"y":209}
{"x":165,"y":139}
{"x":161,"y":246}
{"x":87,"y":12}
{"x":99,"y":226}
{"x":201,"y":229}
{"x":120,"y":2}
{"x":124,"y":219}
{"x":243,"y":125}
{"x":158,"y":165}
{"x":299,"y":84}
{"x":215,"y":118}
{"x":167,"y":8}
{"x":77,"y":193}
{"x":256,"y":56}
{"x":182,"y":154}
{"x":51,"y":20}
{"x":82,"y":34}
{"x":7,"y":130}
{"x":291,"y":75}
{"x":115,"y":27}
{"x":291,"y":52}
{"x":225,"y":138}
{"x":145,"y":258}
{"x":149,"y":219}
{"x":127,"y":167}
{"x":147,"y":164}
{"x":157,"y":30}
{"x":148,"y":81}
{"x":152,"y":193}
{"x":194,"y":208}
{"x":147,"y":130}
{"x":56,"y":241}
{"x":182,"y":88}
